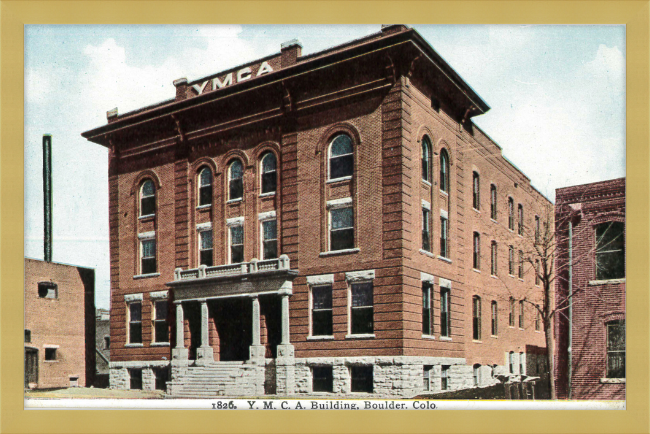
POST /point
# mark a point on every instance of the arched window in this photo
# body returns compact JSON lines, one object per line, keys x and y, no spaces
{"x":147,"y":198}
{"x":444,"y":171}
{"x":493,"y":202}
{"x":426,"y":159}
{"x":477,"y":251}
{"x":476,"y":191}
{"x":236,"y":180}
{"x":493,"y":257}
{"x":495,"y":318}
{"x":341,"y":157}
{"x":205,"y":186}
{"x":476,"y":368}
{"x":269,"y":173}
{"x":511,"y":214}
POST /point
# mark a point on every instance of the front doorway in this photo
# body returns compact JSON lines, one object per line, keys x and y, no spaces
{"x":233,"y":318}
{"x":31,"y":366}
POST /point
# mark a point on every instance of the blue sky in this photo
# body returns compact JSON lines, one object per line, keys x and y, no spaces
{"x":557,"y":97}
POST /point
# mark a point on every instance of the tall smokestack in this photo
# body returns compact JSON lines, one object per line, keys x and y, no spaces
{"x":47,"y":196}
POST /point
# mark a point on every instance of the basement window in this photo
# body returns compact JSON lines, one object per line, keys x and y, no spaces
{"x":362,"y":379}
{"x":162,"y":377}
{"x":135,"y":376}
{"x":28,"y":335}
{"x":322,"y":379}
{"x":48,"y":290}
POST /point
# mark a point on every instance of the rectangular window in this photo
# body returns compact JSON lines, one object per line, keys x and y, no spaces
{"x":236,"y":244}
{"x":610,"y":251}
{"x":205,"y":248}
{"x":135,"y":323}
{"x":538,"y":320}
{"x":512,"y":362}
{"x":362,"y":308}
{"x":537,"y":229}
{"x":135,"y":376}
{"x":444,"y":237}
{"x":522,"y":365}
{"x":476,"y":316}
{"x":476,"y":190}
{"x":322,"y":379}
{"x":425,"y":230}
{"x":493,"y":202}
{"x":148,"y":255}
{"x":477,"y":251}
{"x":270,"y":234}
{"x":50,"y":354}
{"x":361,"y":379}
{"x":444,"y":377}
{"x":426,"y":377}
{"x":521,"y":264}
{"x":341,"y":228}
{"x":28,"y":335}
{"x":48,"y":290}
{"x":161,"y":327}
{"x":511,"y":317}
{"x":511,"y":214}
{"x":521,"y":314}
{"x":520,"y":225}
{"x":511,"y":260}
{"x":445,"y":328}
{"x":616,"y":349}
{"x":321,"y":311}
{"x":107,"y":342}
{"x":426,"y":309}
{"x":493,"y":256}
{"x":537,"y":272}
{"x":495,"y":319}
{"x":476,"y":374}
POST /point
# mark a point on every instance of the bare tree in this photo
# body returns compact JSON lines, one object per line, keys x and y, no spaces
{"x":541,"y":251}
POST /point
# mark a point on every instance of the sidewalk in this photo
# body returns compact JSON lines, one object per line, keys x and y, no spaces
{"x":93,"y":393}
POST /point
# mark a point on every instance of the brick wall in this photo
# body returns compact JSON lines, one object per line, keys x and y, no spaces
{"x":595,"y":302}
{"x":61,"y":322}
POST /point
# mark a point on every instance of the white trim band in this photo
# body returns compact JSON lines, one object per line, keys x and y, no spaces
{"x":321,"y":279}
{"x":337,"y":203}
{"x":204,"y":226}
{"x":159,"y":295}
{"x":269,"y":215}
{"x":445,"y":283}
{"x":132,"y":297}
{"x":444,"y":213}
{"x":426,"y":205}
{"x":426,"y":277}
{"x":355,"y":276}
{"x":147,"y":235}
{"x":235,"y":221}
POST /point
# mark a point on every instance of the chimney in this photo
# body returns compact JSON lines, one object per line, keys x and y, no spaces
{"x":291,"y":51}
{"x":181,"y":88}
{"x":47,"y":196}
{"x":389,"y":29}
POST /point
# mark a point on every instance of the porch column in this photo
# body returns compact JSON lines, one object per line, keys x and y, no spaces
{"x":204,"y":353}
{"x":285,"y":363}
{"x":180,"y":353}
{"x":257,"y":351}
{"x":256,"y":320}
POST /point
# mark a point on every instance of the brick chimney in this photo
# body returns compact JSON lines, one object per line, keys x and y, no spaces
{"x":181,"y":88}
{"x":389,"y":29}
{"x":290,"y":50}
{"x":111,"y":115}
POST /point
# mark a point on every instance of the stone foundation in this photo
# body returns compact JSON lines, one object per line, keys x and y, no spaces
{"x":121,"y":379}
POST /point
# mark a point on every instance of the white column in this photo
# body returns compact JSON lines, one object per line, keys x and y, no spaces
{"x":285,"y":319}
{"x":256,"y":321}
{"x":204,"y":324}
{"x":180,"y":331}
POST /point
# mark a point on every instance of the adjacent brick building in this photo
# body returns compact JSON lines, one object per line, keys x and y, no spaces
{"x":59,"y":325}
{"x":590,"y":332}
{"x":318,"y":223}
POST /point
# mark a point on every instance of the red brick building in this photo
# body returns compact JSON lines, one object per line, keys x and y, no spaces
{"x":590,"y":334}
{"x":59,"y":325}
{"x":332,"y":222}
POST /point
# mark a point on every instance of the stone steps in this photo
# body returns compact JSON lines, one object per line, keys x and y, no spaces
{"x":207,"y":381}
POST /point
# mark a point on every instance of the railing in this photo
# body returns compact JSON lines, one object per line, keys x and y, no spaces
{"x":254,"y":266}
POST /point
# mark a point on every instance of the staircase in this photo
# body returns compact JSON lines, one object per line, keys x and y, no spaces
{"x":215,"y":379}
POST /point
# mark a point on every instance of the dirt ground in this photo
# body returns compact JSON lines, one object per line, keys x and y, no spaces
{"x":92,"y":393}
